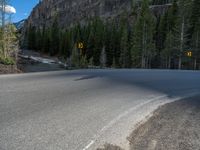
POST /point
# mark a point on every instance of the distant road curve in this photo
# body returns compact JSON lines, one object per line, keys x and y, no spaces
{"x":83,"y":109}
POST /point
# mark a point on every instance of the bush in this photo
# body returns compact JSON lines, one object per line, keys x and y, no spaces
{"x":7,"y":61}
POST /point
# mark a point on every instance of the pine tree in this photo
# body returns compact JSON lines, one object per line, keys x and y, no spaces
{"x":196,"y":44}
{"x":83,"y":62}
{"x":195,"y":15}
{"x":195,"y":31}
{"x":91,"y":62}
{"x":46,"y":41}
{"x":168,"y":51}
{"x":65,"y":44}
{"x":167,"y":37}
{"x":181,"y":29}
{"x":103,"y":58}
{"x":75,"y":58}
{"x":99,"y":40}
{"x":31,"y":38}
{"x":38,"y":40}
{"x":125,"y":53}
{"x":144,"y":44}
{"x":90,"y":42}
{"x":54,"y":39}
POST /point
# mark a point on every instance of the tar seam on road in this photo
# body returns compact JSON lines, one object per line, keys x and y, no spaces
{"x":132,"y":109}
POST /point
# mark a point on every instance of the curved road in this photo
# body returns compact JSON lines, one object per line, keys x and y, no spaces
{"x":84,"y":109}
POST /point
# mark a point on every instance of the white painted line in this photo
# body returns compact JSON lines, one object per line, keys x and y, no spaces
{"x":109,"y":125}
{"x":119,"y":117}
{"x":129,"y":111}
{"x":89,"y":145}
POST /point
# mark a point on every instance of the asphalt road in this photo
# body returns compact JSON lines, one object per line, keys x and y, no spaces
{"x":83,"y":109}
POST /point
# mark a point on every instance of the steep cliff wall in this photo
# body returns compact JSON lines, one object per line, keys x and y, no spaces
{"x":69,"y":12}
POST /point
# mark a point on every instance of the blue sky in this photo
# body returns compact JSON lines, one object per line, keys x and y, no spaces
{"x":23,"y":8}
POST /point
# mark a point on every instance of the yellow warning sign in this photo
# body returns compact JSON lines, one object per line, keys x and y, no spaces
{"x":189,"y":54}
{"x":80,"y":45}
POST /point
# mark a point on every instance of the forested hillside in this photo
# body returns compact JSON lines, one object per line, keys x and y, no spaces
{"x":137,"y":38}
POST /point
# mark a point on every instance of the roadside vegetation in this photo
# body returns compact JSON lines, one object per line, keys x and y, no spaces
{"x":8,"y":45}
{"x":8,"y":41}
{"x":143,"y":38}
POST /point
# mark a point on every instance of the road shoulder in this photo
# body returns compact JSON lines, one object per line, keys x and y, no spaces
{"x":174,"y":126}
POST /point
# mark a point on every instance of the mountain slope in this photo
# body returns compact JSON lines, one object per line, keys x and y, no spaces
{"x":68,"y":12}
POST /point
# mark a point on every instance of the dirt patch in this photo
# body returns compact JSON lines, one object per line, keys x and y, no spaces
{"x":9,"y":69}
{"x":174,"y":126}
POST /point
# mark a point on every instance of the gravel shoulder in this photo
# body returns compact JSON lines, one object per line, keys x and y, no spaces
{"x":175,"y":126}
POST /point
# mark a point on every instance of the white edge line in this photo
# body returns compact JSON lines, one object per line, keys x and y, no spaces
{"x":89,"y":145}
{"x":136,"y":107}
{"x":119,"y":117}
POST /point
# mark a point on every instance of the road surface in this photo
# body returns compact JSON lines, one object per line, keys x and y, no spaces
{"x":84,"y":109}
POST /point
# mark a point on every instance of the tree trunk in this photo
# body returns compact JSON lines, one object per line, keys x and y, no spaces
{"x":180,"y":63}
{"x":169,"y":62}
{"x":182,"y":42}
{"x":195,"y":63}
{"x":144,"y":46}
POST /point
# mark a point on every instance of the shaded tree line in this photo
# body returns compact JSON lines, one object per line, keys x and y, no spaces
{"x":145,"y":42}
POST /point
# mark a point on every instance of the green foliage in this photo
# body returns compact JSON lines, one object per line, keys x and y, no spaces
{"x":75,"y":61}
{"x":83,"y":62}
{"x":143,"y":44}
{"x":7,"y":60}
{"x":8,"y":44}
{"x":125,"y":53}
{"x":91,"y":64}
{"x":144,"y":40}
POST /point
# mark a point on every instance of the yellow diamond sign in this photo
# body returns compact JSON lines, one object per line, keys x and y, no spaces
{"x":80,"y":45}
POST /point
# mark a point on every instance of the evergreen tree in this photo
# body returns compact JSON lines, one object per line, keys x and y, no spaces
{"x":166,"y":35}
{"x":181,"y":29}
{"x":90,"y":42}
{"x":31,"y":38}
{"x":195,"y":31}
{"x":196,"y":44}
{"x":103,"y":58}
{"x":54,"y":39}
{"x":83,"y":62}
{"x":125,"y":53}
{"x":168,"y":51}
{"x":112,"y":42}
{"x":38,"y":40}
{"x":99,"y":40}
{"x":144,"y":45}
{"x":75,"y":58}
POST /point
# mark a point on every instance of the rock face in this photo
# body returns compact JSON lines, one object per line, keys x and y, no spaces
{"x":68,"y":12}
{"x":19,"y":25}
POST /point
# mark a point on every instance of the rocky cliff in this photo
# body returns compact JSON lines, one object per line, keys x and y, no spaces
{"x":69,"y":12}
